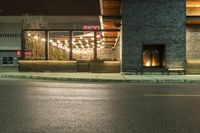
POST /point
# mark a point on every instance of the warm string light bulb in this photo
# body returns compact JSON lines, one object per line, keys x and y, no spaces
{"x":43,"y":39}
{"x":35,"y":37}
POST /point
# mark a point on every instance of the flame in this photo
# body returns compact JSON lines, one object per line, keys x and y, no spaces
{"x":155,"y":62}
{"x":147,"y":63}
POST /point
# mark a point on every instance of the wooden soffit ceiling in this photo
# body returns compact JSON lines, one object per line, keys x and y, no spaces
{"x":192,"y":7}
{"x":193,"y":12}
{"x":111,"y":7}
{"x":111,"y":13}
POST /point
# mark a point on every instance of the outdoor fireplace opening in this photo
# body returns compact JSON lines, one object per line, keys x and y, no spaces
{"x":153,"y":56}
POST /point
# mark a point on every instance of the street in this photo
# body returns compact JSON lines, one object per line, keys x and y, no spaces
{"x":30,"y":106}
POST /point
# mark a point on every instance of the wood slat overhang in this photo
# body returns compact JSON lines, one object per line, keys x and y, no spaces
{"x":111,"y":17}
{"x":111,"y":12}
{"x":192,"y":12}
{"x":192,"y":7}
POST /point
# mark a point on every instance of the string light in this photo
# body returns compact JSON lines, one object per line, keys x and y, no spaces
{"x":43,"y":39}
{"x":58,"y":41}
{"x":35,"y":37}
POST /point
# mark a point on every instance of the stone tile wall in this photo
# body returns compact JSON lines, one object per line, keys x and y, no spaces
{"x":193,"y":42}
{"x":153,"y":22}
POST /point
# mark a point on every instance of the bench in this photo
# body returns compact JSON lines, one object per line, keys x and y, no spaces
{"x":83,"y":65}
{"x":135,"y":71}
{"x":150,"y":70}
{"x":177,"y":70}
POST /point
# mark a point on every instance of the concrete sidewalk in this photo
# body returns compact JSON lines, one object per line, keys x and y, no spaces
{"x":104,"y":77}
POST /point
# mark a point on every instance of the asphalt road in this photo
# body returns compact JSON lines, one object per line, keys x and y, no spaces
{"x":56,"y":107}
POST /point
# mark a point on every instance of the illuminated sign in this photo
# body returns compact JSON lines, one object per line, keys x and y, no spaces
{"x":19,"y":53}
{"x":91,"y":27}
{"x":27,"y":53}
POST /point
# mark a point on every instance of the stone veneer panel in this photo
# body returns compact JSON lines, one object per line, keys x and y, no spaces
{"x":193,"y":42}
{"x":153,"y":22}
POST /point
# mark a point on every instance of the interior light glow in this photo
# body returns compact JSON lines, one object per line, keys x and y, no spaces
{"x":35,"y":37}
{"x":43,"y":39}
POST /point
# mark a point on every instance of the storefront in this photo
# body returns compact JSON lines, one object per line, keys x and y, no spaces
{"x":71,"y":50}
{"x":137,"y":37}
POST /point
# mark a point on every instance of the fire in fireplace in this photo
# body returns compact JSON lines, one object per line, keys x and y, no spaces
{"x":153,"y":55}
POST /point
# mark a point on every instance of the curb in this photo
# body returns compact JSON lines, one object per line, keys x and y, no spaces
{"x":60,"y":78}
{"x":102,"y":80}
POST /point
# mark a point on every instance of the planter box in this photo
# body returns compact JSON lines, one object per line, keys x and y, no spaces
{"x":47,"y":66}
{"x":105,"y":67}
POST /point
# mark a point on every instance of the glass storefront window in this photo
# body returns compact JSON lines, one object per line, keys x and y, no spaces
{"x":108,"y":46}
{"x":83,"y":45}
{"x":7,"y":60}
{"x":59,"y":45}
{"x":35,"y":45}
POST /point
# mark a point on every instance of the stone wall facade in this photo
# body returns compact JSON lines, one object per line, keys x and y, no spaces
{"x":153,"y":22}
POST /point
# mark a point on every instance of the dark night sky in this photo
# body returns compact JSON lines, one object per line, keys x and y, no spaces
{"x":50,"y":7}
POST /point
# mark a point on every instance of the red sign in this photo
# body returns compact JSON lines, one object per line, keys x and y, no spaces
{"x":19,"y":53}
{"x":91,"y":27}
{"x":28,"y":53}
